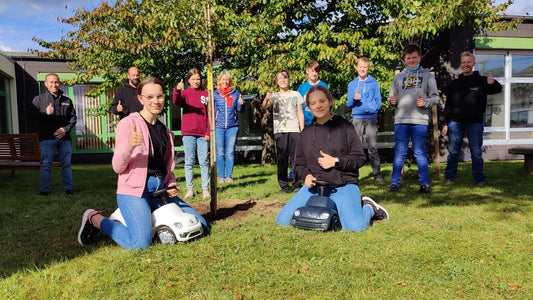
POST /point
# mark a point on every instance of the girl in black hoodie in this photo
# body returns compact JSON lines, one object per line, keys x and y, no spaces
{"x":330,"y":150}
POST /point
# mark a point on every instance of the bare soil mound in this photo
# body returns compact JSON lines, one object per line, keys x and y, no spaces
{"x":235,"y":208}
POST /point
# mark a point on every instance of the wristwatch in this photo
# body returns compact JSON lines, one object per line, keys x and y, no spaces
{"x":337,"y":163}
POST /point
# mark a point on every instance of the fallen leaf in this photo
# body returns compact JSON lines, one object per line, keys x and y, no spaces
{"x":306,"y":267}
{"x":169,"y":284}
{"x":239,"y":296}
{"x":401,"y":282}
{"x":514,"y":286}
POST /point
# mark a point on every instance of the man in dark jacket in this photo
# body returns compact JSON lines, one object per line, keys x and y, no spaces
{"x":57,"y":117}
{"x":125,"y":101}
{"x":466,"y":102}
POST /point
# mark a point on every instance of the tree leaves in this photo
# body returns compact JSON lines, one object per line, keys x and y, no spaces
{"x":254,"y":39}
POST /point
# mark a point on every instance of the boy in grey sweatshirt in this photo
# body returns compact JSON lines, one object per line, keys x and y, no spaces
{"x":413,"y":93}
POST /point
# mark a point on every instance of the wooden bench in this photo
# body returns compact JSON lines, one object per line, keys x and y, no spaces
{"x":528,"y":157}
{"x":20,"y":151}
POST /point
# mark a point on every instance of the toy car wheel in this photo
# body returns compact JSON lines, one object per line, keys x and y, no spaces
{"x":335,"y":223}
{"x":165,"y":236}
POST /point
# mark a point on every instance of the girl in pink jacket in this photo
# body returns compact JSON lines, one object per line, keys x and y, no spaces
{"x":144,"y":162}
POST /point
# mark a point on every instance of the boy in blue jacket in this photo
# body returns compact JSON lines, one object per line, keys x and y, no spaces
{"x":364,"y":98}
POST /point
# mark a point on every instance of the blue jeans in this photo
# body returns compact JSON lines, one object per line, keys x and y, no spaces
{"x":64,"y":150}
{"x":225,"y":147}
{"x":417,"y":134}
{"x":353,"y":216}
{"x":456,"y":133}
{"x":192,"y":145}
{"x":137,"y":213}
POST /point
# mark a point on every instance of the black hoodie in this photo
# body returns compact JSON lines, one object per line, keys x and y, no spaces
{"x":336,"y":137}
{"x":466,"y":99}
{"x":127,"y":95}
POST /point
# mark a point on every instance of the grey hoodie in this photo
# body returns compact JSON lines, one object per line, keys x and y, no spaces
{"x":408,"y":85}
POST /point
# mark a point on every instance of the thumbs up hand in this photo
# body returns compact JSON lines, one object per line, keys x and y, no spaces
{"x":136,"y":138}
{"x":490,"y":79}
{"x":420,"y":102}
{"x":179,"y":86}
{"x":120,"y":108}
{"x":327,"y":161}
{"x":357,"y":95}
{"x":50,"y":109}
{"x":393,"y":99}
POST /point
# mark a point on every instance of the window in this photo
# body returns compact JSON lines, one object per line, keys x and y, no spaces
{"x":521,"y":105}
{"x":509,"y":115}
{"x":5,"y":107}
{"x":494,"y":63}
{"x":522,"y":66}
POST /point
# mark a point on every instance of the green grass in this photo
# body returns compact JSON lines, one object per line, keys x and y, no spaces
{"x":460,"y":242}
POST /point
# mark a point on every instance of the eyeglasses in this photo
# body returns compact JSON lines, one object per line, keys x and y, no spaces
{"x":153,"y":98}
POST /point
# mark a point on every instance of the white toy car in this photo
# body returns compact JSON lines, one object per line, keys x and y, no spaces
{"x":170,"y":224}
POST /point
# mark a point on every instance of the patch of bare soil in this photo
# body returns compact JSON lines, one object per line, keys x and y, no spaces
{"x":235,"y":208}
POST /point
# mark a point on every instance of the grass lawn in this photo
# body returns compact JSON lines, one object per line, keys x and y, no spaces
{"x":460,"y":242}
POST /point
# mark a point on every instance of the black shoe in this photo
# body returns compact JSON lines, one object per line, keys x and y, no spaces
{"x":394,"y":188}
{"x":379,"y":179}
{"x":69,"y":192}
{"x":41,"y":193}
{"x":296,"y":189}
{"x":424,"y":189}
{"x":380,"y":213}
{"x":285,"y":190}
{"x":87,"y":233}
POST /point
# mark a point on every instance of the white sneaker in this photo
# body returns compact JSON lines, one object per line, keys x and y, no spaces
{"x":379,"y":211}
{"x":206,"y":194}
{"x":189,"y":193}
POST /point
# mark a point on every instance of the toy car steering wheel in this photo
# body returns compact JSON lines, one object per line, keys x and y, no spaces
{"x":321,"y":183}
{"x":323,"y":187}
{"x":162,"y":193}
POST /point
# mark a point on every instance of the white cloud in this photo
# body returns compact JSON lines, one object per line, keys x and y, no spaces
{"x":519,"y":7}
{"x":20,"y":20}
{"x":4,"y":47}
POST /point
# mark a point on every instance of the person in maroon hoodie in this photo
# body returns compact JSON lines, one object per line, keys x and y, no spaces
{"x":194,"y":128}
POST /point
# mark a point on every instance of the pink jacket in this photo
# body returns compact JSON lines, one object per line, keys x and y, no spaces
{"x":131,"y":164}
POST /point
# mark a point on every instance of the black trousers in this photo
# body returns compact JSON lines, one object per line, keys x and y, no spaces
{"x":285,"y":153}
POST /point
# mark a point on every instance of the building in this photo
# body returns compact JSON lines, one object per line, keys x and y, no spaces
{"x":509,"y":56}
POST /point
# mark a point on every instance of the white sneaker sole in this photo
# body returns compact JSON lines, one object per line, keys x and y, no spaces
{"x":83,"y":222}
{"x":377,"y":205}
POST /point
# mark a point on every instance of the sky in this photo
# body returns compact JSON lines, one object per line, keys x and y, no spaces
{"x":20,"y":20}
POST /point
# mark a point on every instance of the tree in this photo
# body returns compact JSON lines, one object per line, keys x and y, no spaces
{"x":264,"y":36}
{"x":253,"y":39}
{"x":151,"y":35}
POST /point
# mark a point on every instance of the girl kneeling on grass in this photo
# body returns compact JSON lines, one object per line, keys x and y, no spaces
{"x":144,"y":161}
{"x":330,"y":150}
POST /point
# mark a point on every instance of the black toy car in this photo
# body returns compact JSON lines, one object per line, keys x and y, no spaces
{"x":319,"y":213}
